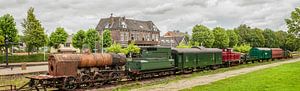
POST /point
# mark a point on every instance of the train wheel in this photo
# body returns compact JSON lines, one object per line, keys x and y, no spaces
{"x":69,"y":83}
{"x":84,"y":79}
{"x":115,"y":76}
{"x":99,"y":80}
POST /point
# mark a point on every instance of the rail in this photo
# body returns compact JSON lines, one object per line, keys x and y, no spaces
{"x":11,"y":87}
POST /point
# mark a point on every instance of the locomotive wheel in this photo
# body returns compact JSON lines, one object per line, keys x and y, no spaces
{"x":84,"y":79}
{"x":99,"y":80}
{"x":114,"y":76}
{"x":70,"y":83}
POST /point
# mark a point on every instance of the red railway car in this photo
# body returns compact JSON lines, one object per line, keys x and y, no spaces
{"x":277,"y":53}
{"x":229,"y":57}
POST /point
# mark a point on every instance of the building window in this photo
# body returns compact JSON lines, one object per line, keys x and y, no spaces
{"x":68,"y":45}
{"x":126,"y":36}
{"x":122,"y":36}
{"x":148,"y":36}
{"x":155,"y":28}
{"x":157,"y":37}
{"x":124,"y":25}
{"x":153,"y":37}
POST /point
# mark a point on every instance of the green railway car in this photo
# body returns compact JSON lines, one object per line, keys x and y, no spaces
{"x":191,"y":58}
{"x":260,"y":53}
{"x":151,"y":59}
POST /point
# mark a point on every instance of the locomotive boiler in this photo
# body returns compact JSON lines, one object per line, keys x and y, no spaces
{"x":98,"y":67}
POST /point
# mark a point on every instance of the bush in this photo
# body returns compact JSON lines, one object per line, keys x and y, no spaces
{"x":24,"y":58}
{"x":244,"y":48}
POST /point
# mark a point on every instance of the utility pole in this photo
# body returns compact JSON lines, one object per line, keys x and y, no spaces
{"x":6,"y":50}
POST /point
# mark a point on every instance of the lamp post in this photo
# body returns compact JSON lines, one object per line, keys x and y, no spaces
{"x":6,"y":50}
{"x":102,"y":41}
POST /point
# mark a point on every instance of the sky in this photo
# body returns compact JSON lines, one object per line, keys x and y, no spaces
{"x":167,"y":15}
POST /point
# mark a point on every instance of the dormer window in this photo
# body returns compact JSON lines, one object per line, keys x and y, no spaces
{"x":155,"y":28}
{"x":107,"y":25}
{"x":123,"y":24}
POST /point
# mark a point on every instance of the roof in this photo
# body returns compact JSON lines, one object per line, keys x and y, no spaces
{"x":174,"y":33}
{"x":131,"y":24}
{"x":275,"y":48}
{"x":196,"y":50}
{"x":262,"y":48}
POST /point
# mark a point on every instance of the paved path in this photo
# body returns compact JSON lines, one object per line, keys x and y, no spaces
{"x":202,"y":80}
{"x":29,"y":69}
{"x":27,"y":63}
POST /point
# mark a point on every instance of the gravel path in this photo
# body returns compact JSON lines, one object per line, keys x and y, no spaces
{"x":29,"y":69}
{"x":202,"y":80}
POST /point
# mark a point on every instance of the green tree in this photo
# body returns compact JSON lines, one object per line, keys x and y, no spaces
{"x":131,"y":48}
{"x":243,"y":48}
{"x":222,"y":39}
{"x":107,"y":40}
{"x":8,"y":29}
{"x":270,"y":39}
{"x":34,"y":34}
{"x":281,"y":38}
{"x":92,"y":38}
{"x":59,"y":36}
{"x":116,"y":48}
{"x":292,"y":43}
{"x":233,"y":38}
{"x":257,"y":38}
{"x":244,"y":35}
{"x":203,"y":35}
{"x":183,"y":45}
{"x":78,"y":40}
{"x":293,"y":23}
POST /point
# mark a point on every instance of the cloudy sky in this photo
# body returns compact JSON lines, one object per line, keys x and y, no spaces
{"x":168,"y":15}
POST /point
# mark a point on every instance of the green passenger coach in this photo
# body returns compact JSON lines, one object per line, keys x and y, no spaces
{"x":188,"y":59}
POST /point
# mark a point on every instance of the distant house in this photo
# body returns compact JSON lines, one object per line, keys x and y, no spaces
{"x":123,"y":31}
{"x":67,"y":46}
{"x":173,"y":38}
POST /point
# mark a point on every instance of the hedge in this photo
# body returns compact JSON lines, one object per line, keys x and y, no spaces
{"x":24,"y":58}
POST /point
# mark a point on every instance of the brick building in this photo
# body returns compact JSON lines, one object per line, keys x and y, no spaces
{"x":123,"y":31}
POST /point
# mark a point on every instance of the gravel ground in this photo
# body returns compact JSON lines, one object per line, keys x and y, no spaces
{"x":202,"y":80}
{"x":29,"y":69}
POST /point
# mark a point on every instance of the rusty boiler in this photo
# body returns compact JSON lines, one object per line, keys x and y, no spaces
{"x":101,"y":60}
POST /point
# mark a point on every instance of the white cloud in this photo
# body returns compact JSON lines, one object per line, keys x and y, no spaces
{"x":166,"y":14}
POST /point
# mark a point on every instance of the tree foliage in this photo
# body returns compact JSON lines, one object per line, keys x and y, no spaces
{"x":8,"y":29}
{"x":78,"y":39}
{"x":270,"y":39}
{"x":281,"y":38}
{"x":34,"y":34}
{"x":59,"y":36}
{"x":244,"y":33}
{"x":221,"y":39}
{"x":292,"y":43}
{"x":293,"y":23}
{"x":203,"y":35}
{"x":107,"y":40}
{"x":92,"y":38}
{"x":243,"y":48}
{"x":183,"y":45}
{"x":116,"y":48}
{"x":233,"y":38}
{"x":131,"y":48}
{"x":257,"y":38}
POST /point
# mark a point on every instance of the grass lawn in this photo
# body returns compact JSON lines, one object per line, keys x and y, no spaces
{"x":175,"y":78}
{"x":280,"y":78}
